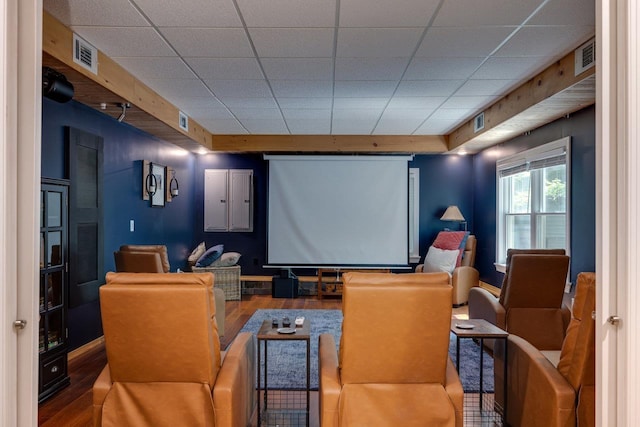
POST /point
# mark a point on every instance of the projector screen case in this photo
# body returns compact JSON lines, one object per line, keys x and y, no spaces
{"x":338,"y":211}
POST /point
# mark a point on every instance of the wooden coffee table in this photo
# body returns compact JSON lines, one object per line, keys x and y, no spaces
{"x":481,"y":330}
{"x":269,"y":333}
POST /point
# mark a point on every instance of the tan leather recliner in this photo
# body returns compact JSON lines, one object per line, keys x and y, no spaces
{"x":154,"y":259}
{"x":394,"y":367}
{"x":465,"y":276}
{"x":163,"y":351}
{"x":530,"y":302}
{"x":555,"y":388}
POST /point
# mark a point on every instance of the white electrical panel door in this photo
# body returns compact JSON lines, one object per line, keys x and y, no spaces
{"x":241,"y":200}
{"x":216,"y":204}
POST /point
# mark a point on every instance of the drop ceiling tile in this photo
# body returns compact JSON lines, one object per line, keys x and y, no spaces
{"x":314,"y":103}
{"x":370,"y":68}
{"x":288,"y":13}
{"x":386,"y":13}
{"x":457,"y":114}
{"x":407,"y":113}
{"x":356,"y":114}
{"x":441,"y":68}
{"x":224,"y":126}
{"x":302,"y":88}
{"x":298,"y":68}
{"x":309,"y":126}
{"x":377,"y":42}
{"x":156,"y":68}
{"x":191,"y":104}
{"x":126,"y":41}
{"x":466,"y":13}
{"x":405,"y":126}
{"x":352,"y":127}
{"x":462,"y":42}
{"x":424,"y":102}
{"x":361,"y":89}
{"x":436,"y":127}
{"x":211,"y":114}
{"x":178,"y":88}
{"x":250,"y":103}
{"x":191,"y":13}
{"x":306,"y":114}
{"x":119,"y":13}
{"x":545,"y":40}
{"x":469,"y":102}
{"x":428,"y":87}
{"x":239,"y":88}
{"x":225,"y":68}
{"x":511,"y":68}
{"x":257,"y":113}
{"x":566,"y":12}
{"x":357,"y":102}
{"x":265,"y":127}
{"x":293,"y":42}
{"x":486,"y":87}
{"x":209,"y":42}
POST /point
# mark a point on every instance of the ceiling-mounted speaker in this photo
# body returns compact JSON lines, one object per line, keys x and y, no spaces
{"x":55,"y":85}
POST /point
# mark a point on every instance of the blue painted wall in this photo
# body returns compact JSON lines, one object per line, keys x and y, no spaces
{"x":124,"y":148}
{"x":581,"y":127}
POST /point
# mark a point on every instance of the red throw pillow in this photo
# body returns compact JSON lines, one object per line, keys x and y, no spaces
{"x":451,"y":240}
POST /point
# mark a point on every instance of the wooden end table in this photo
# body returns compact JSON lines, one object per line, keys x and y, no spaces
{"x":481,"y":330}
{"x":269,"y":333}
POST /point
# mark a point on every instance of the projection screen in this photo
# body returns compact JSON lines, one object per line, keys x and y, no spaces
{"x":338,"y":211}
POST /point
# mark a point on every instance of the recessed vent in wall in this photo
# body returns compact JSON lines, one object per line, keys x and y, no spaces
{"x":585,"y":56}
{"x":183,"y":121}
{"x":478,"y":122}
{"x":85,"y":54}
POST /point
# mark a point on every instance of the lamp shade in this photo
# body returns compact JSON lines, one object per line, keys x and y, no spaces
{"x":452,"y":214}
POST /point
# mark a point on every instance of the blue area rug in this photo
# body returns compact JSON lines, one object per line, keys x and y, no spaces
{"x":287,"y":359}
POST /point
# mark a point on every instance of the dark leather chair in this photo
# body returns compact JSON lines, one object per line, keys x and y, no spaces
{"x":164,"y":366}
{"x":394,"y":367}
{"x":555,"y":388}
{"x":530,"y":302}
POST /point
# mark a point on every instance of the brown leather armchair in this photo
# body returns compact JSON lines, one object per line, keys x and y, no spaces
{"x":530,"y":302}
{"x":154,"y":259}
{"x":394,"y":367}
{"x":555,"y":388}
{"x":164,"y":366}
{"x":465,"y":276}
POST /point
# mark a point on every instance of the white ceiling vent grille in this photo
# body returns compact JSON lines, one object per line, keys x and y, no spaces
{"x":478,"y":122}
{"x":183,"y":121}
{"x":85,"y":54}
{"x":585,"y":56}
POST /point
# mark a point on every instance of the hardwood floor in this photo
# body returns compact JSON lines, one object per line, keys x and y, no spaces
{"x":72,"y":406}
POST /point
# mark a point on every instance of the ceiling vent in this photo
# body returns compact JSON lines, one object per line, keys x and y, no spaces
{"x":585,"y":56}
{"x":478,"y":122}
{"x":183,"y":121}
{"x":85,"y":54}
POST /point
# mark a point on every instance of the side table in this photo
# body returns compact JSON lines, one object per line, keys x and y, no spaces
{"x":481,"y":330}
{"x":269,"y":333}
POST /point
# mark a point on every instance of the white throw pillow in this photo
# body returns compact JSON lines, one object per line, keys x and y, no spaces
{"x":438,"y":260}
{"x":227,"y":259}
{"x":197,"y":252}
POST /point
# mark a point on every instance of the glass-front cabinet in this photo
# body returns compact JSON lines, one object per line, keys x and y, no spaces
{"x":53,"y":288}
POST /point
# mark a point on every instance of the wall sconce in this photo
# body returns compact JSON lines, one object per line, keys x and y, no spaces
{"x":173,"y":184}
{"x":453,"y":214}
{"x":151,"y":182}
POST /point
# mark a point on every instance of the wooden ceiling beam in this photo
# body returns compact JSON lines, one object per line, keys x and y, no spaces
{"x":553,"y":93}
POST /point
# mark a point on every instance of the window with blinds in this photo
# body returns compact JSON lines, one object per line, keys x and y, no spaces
{"x":533,"y":199}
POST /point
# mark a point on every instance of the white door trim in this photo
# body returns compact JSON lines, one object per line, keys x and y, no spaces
{"x":20,"y":94}
{"x":617,"y":210}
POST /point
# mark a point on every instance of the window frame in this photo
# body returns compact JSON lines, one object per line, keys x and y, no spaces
{"x":523,"y":159}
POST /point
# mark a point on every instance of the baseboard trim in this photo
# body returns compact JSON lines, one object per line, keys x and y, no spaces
{"x":85,"y":348}
{"x":495,"y":291}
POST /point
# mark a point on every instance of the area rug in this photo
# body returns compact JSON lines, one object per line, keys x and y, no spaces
{"x":287,"y":359}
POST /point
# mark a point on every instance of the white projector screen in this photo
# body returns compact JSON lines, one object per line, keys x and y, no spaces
{"x":338,"y":211}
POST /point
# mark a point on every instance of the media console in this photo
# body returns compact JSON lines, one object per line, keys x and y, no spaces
{"x":333,"y":279}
